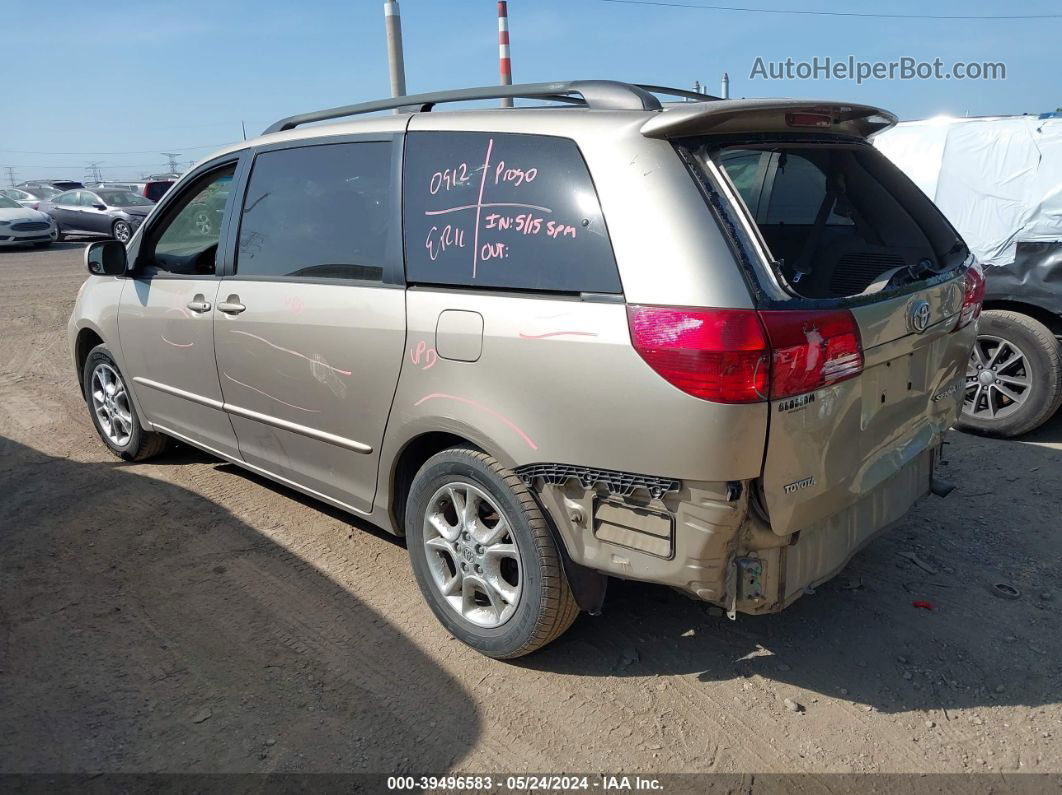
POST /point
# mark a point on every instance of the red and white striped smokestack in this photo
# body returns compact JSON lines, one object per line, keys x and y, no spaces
{"x":505,"y":64}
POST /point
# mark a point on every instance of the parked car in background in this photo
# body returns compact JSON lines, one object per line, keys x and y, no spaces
{"x":714,"y":345}
{"x":997,"y":180}
{"x":54,"y":184}
{"x":29,"y":198}
{"x":169,"y":176}
{"x":107,"y":211}
{"x":23,"y":225}
{"x":152,"y":189}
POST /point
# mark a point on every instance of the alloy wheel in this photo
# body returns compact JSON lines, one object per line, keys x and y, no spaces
{"x":202,"y":223}
{"x":122,"y":232}
{"x":110,"y":402}
{"x":998,"y":379}
{"x":472,"y":555}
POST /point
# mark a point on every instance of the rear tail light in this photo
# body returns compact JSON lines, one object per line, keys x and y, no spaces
{"x":745,"y":356}
{"x":811,"y":349}
{"x":714,"y":354}
{"x":973,"y":295}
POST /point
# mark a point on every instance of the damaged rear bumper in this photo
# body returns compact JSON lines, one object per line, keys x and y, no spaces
{"x":706,"y":540}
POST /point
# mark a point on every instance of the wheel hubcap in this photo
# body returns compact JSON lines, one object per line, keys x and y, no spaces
{"x":998,"y":379}
{"x":472,"y":555}
{"x":110,"y":402}
{"x":121,"y":233}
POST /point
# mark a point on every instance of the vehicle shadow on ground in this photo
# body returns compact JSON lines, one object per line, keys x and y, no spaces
{"x":145,"y":628}
{"x":180,"y":454}
{"x":859,"y":637}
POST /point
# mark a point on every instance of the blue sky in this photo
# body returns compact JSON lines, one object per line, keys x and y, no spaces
{"x":128,"y":80}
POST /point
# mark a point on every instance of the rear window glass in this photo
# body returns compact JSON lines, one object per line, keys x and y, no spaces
{"x":504,"y":211}
{"x":839,"y":220}
{"x":318,"y":212}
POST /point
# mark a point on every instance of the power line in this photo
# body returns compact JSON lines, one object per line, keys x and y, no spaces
{"x":131,"y":152}
{"x":750,"y":10}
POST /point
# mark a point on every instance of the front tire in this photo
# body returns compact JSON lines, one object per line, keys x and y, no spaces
{"x":484,"y":557}
{"x":1014,"y":377}
{"x":112,"y":409}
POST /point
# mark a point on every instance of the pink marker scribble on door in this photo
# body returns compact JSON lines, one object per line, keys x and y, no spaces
{"x":475,"y":404}
{"x":315,"y":360}
{"x":422,"y":353}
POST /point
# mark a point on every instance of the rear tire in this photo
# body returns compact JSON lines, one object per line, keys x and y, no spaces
{"x":496,"y":580}
{"x":113,"y":412}
{"x":1014,"y":379}
{"x":122,"y":231}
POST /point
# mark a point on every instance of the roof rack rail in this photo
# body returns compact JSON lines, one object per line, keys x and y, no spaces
{"x":679,"y":92}
{"x":594,"y":94}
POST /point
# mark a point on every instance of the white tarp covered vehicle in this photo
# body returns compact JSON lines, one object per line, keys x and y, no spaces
{"x":999,"y":181}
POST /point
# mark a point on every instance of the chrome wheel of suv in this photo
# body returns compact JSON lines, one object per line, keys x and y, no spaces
{"x":472,"y":556}
{"x":111,"y":404}
{"x":997,"y":378}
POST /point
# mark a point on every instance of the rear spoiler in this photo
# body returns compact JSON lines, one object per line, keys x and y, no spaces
{"x":767,"y":116}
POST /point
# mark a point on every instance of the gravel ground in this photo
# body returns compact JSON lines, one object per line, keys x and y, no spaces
{"x":183,"y":615}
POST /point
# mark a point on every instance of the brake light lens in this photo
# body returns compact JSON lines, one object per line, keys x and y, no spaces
{"x":719,"y":355}
{"x":821,"y":121}
{"x":745,"y":356}
{"x":973,"y":295}
{"x":811,"y":350}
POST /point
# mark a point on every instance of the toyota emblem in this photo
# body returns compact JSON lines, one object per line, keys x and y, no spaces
{"x":919,"y":316}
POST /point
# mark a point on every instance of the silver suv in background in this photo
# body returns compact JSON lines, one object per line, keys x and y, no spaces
{"x":713,"y":345}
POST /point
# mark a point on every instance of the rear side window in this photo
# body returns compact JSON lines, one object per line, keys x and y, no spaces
{"x":318,"y":212}
{"x":504,"y":211}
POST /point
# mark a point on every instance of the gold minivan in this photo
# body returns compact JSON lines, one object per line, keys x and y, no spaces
{"x":712,"y":344}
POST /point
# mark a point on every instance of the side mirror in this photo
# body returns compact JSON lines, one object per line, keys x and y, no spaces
{"x":100,"y":206}
{"x":106,"y":258}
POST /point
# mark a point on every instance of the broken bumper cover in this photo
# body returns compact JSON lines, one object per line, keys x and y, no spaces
{"x":702,"y":538}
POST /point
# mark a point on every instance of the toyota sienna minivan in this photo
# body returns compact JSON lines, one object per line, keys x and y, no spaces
{"x":711,"y":344}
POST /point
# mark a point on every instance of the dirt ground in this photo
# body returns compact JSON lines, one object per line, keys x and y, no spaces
{"x":183,"y":615}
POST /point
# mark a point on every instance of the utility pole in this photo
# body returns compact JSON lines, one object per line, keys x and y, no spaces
{"x":395,"y":60}
{"x":724,"y":87}
{"x":505,"y":64}
{"x":10,"y":175}
{"x":173,"y":160}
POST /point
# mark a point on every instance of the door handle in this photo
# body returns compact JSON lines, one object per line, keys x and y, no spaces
{"x":231,"y":306}
{"x":199,"y":305}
